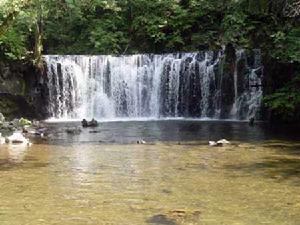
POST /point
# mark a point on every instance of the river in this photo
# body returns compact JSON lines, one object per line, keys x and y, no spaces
{"x":103,"y":177}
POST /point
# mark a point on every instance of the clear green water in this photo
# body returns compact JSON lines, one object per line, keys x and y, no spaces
{"x":166,"y":183}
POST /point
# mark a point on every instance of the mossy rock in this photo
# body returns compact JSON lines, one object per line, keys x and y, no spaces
{"x":24,"y":122}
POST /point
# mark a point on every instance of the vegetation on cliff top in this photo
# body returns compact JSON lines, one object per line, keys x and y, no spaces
{"x":31,"y":27}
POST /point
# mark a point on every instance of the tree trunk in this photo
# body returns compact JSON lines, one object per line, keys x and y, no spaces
{"x":38,"y":48}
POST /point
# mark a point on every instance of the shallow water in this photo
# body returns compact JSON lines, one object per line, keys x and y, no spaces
{"x":158,"y":183}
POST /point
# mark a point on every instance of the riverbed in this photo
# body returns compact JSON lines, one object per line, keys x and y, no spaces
{"x":103,"y":177}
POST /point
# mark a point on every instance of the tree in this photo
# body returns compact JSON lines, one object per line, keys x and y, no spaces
{"x":10,"y":11}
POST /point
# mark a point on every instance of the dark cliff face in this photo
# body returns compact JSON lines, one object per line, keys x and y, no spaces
{"x":23,"y":91}
{"x":227,"y":81}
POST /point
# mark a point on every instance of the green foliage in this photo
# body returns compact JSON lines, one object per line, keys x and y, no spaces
{"x":287,"y":45}
{"x":156,"y":26}
{"x":24,"y":122}
{"x":130,"y":26}
{"x":236,"y":28}
{"x":12,"y":45}
{"x":285,"y":102}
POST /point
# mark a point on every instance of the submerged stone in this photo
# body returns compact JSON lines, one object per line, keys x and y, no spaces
{"x":161,"y":219}
{"x":73,"y":130}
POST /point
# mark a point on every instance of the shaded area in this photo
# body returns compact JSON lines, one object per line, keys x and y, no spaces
{"x":9,"y":164}
{"x":284,"y":148}
{"x":275,"y":168}
{"x":16,"y":106}
{"x":161,"y":219}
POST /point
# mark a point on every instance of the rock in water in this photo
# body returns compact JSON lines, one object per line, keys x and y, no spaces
{"x":95,"y":131}
{"x":212,"y":143}
{"x":2,"y":139}
{"x":84,"y":123}
{"x":223,"y":142}
{"x":141,"y":142}
{"x":219,"y":143}
{"x":17,"y":138}
{"x":36,"y":123}
{"x":251,"y":121}
{"x":24,"y":122}
{"x":215,"y":144}
{"x":14,"y":123}
{"x":92,"y":123}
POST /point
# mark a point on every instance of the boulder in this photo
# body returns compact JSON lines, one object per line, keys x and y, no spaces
{"x":36,"y":123}
{"x":32,"y":132}
{"x":223,"y":142}
{"x":14,"y":123}
{"x":214,"y":144}
{"x":7,"y":126}
{"x":219,"y":143}
{"x":92,"y":123}
{"x":141,"y":142}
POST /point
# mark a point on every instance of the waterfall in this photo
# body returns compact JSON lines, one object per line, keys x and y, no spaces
{"x":190,"y":85}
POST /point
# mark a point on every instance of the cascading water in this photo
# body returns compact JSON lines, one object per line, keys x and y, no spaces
{"x":154,"y":86}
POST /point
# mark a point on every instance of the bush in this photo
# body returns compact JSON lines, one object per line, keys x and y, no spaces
{"x":12,"y":45}
{"x":285,"y":103}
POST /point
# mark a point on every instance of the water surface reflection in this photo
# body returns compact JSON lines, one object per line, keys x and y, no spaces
{"x":173,"y":130}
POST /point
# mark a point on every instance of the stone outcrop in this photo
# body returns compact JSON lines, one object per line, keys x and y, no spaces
{"x":23,"y":92}
{"x":2,"y":118}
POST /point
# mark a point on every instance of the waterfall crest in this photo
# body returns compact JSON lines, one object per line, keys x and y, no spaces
{"x":196,"y":85}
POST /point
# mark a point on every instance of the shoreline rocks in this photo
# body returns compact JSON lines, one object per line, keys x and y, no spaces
{"x":17,"y":138}
{"x":18,"y":131}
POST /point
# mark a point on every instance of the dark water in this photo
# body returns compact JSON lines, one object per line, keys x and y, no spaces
{"x":172,"y":131}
